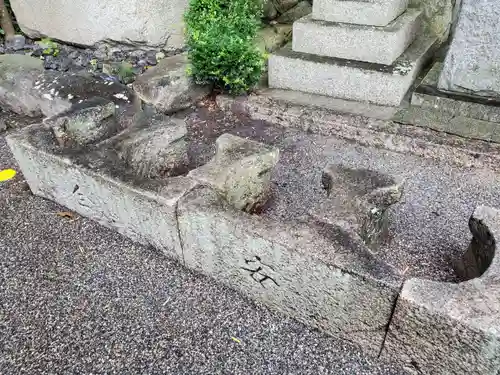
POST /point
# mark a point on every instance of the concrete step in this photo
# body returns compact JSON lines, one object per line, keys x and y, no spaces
{"x":381,"y":45}
{"x":349,"y":79}
{"x":360,"y":12}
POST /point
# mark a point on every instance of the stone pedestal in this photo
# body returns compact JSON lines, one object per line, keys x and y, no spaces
{"x":354,"y":50}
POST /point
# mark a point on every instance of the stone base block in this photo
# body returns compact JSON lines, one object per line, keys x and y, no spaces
{"x":143,"y":215}
{"x":295,"y":269}
{"x":348,"y":79}
{"x":360,"y":12}
{"x":380,"y":45}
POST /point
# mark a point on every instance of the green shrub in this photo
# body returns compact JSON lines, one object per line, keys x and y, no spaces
{"x":220,"y":36}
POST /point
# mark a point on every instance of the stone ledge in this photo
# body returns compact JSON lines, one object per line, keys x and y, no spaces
{"x":381,"y":45}
{"x":144,"y":215}
{"x":428,"y":95}
{"x":444,"y":328}
{"x":295,"y":269}
{"x":365,"y":123}
{"x":360,"y":12}
{"x":316,"y":275}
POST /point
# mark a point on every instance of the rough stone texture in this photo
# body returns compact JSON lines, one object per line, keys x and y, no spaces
{"x":87,"y":122}
{"x":240,"y":171}
{"x":272,"y":37}
{"x":382,"y":45}
{"x":445,"y":328}
{"x":295,"y":269}
{"x":168,"y":87}
{"x":144,"y":215}
{"x":300,"y":10}
{"x":427,"y":95}
{"x":471,"y":62}
{"x":357,"y":203}
{"x":348,"y":79}
{"x":28,"y":91}
{"x":156,"y":23}
{"x":157,"y":150}
{"x":438,"y":16}
{"x":359,"y":12}
{"x":17,"y":75}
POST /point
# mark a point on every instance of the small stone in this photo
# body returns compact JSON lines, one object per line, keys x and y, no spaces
{"x":16,"y":42}
{"x":168,"y":87}
{"x":160,"y":55}
{"x":107,"y":69}
{"x":3,"y":124}
{"x":240,"y":171}
{"x":157,"y":150}
{"x":151,"y":58}
{"x":84,"y":123}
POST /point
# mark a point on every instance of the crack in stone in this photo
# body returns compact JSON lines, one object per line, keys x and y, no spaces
{"x":178,"y":228}
{"x":389,"y":322}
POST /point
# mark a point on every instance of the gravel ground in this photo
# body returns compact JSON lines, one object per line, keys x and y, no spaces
{"x":76,"y":298}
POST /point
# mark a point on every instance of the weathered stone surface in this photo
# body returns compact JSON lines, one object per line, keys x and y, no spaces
{"x":156,"y":23}
{"x":87,"y":122}
{"x":359,"y":12}
{"x":357,"y":202}
{"x":471,"y":65}
{"x":272,"y":37}
{"x":349,"y":79}
{"x":438,"y":15}
{"x":300,"y":270}
{"x":446,"y":328}
{"x":28,"y":90}
{"x":381,"y":45}
{"x":240,"y":171}
{"x":168,"y":87}
{"x":427,"y":95}
{"x":17,"y":76}
{"x":84,"y":183}
{"x":300,"y":10}
{"x":157,"y":150}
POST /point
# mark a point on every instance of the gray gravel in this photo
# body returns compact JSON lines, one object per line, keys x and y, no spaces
{"x":76,"y":298}
{"x":429,"y":228}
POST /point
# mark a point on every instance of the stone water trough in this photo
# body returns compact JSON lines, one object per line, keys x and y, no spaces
{"x":102,"y":156}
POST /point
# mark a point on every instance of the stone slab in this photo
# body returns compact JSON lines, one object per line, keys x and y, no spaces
{"x":145,"y":215}
{"x":348,"y":79}
{"x":360,"y":12}
{"x":381,"y":45}
{"x":446,"y":328}
{"x":154,"y":23}
{"x":296,"y":269}
{"x":471,"y":65}
{"x":428,"y":95}
{"x":466,"y":127}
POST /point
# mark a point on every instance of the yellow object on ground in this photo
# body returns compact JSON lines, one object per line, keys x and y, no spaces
{"x":7,"y":174}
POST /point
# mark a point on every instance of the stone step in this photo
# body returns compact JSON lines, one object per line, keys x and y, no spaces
{"x":381,"y":45}
{"x":360,"y":12}
{"x":349,"y":79}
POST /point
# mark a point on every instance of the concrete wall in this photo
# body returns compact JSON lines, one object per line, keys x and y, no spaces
{"x":155,"y":23}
